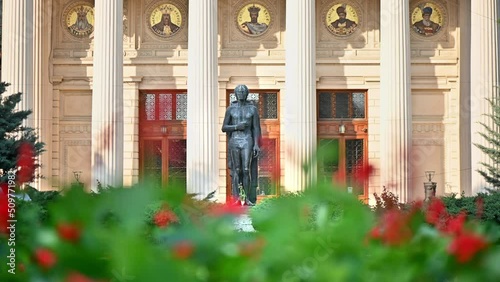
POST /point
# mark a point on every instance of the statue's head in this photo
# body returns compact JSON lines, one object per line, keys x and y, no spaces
{"x":241,"y":92}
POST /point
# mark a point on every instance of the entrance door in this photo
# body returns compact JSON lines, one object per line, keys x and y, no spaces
{"x":343,"y":139}
{"x":162,"y":137}
{"x":268,"y":166}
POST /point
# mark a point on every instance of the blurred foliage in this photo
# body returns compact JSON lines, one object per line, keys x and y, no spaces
{"x":149,"y":234}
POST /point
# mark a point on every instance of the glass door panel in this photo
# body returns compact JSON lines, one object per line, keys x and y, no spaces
{"x":354,"y":157}
{"x":339,"y":161}
{"x":152,"y":161}
{"x":328,"y":159}
{"x":268,"y":169}
{"x":177,"y":161}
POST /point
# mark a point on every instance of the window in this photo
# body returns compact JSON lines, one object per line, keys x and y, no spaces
{"x":164,"y":106}
{"x":267,"y":103}
{"x":341,"y":105}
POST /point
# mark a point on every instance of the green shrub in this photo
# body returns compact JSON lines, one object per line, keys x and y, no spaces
{"x":321,"y":234}
{"x":490,"y":210}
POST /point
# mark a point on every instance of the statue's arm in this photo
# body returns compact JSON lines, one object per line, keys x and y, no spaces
{"x":226,"y":127}
{"x":256,"y":131}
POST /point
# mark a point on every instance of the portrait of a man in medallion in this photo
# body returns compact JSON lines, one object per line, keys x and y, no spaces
{"x":165,"y":20}
{"x":79,"y":20}
{"x":426,"y":19}
{"x":342,"y":19}
{"x":253,"y":19}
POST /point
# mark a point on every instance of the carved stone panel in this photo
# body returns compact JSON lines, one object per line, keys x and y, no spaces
{"x":76,"y":159}
{"x":76,"y":105}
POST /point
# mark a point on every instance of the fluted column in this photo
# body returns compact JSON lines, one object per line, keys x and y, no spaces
{"x":17,"y":51}
{"x":484,"y":81}
{"x":395,"y":98}
{"x":42,"y":94}
{"x":202,"y":129}
{"x":300,"y":98}
{"x":107,"y":95}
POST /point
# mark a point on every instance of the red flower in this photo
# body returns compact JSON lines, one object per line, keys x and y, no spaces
{"x":45,"y":258}
{"x":183,"y":249}
{"x":78,"y":277}
{"x":230,"y":208}
{"x":4,"y":188}
{"x":376,"y":233}
{"x":465,"y":246}
{"x":251,"y":248}
{"x":436,"y":211}
{"x":416,"y":207}
{"x":69,"y":231}
{"x":4,"y":213}
{"x":26,"y":162}
{"x":364,"y":173}
{"x":164,"y":217}
{"x":454,"y":225}
{"x":393,"y":228}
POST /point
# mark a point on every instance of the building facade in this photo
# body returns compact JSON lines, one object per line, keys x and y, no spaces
{"x":125,"y":90}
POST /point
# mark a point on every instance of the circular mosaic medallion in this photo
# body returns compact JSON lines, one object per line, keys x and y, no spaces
{"x":79,"y":19}
{"x":342,"y":19}
{"x":253,"y":19}
{"x":427,"y":19}
{"x":165,"y":20}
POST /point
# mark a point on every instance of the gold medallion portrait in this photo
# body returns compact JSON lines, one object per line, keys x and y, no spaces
{"x":79,"y":19}
{"x":342,"y":19}
{"x":253,"y":19}
{"x":165,"y":20}
{"x":427,"y":19}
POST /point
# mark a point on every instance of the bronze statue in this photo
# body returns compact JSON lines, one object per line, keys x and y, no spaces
{"x":242,"y":125}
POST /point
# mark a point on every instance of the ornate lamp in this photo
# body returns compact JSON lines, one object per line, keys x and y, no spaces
{"x":429,"y":174}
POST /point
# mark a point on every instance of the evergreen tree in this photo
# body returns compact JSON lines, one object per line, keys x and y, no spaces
{"x":491,"y":172}
{"x":13,"y":135}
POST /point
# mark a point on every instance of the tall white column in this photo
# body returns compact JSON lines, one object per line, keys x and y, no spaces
{"x":17,"y":51}
{"x":42,"y":94}
{"x":107,"y":95}
{"x":300,"y":98}
{"x":202,"y":124}
{"x":484,"y":81}
{"x":395,"y":98}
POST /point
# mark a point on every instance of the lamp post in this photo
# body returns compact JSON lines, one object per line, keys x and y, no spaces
{"x":430,"y":187}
